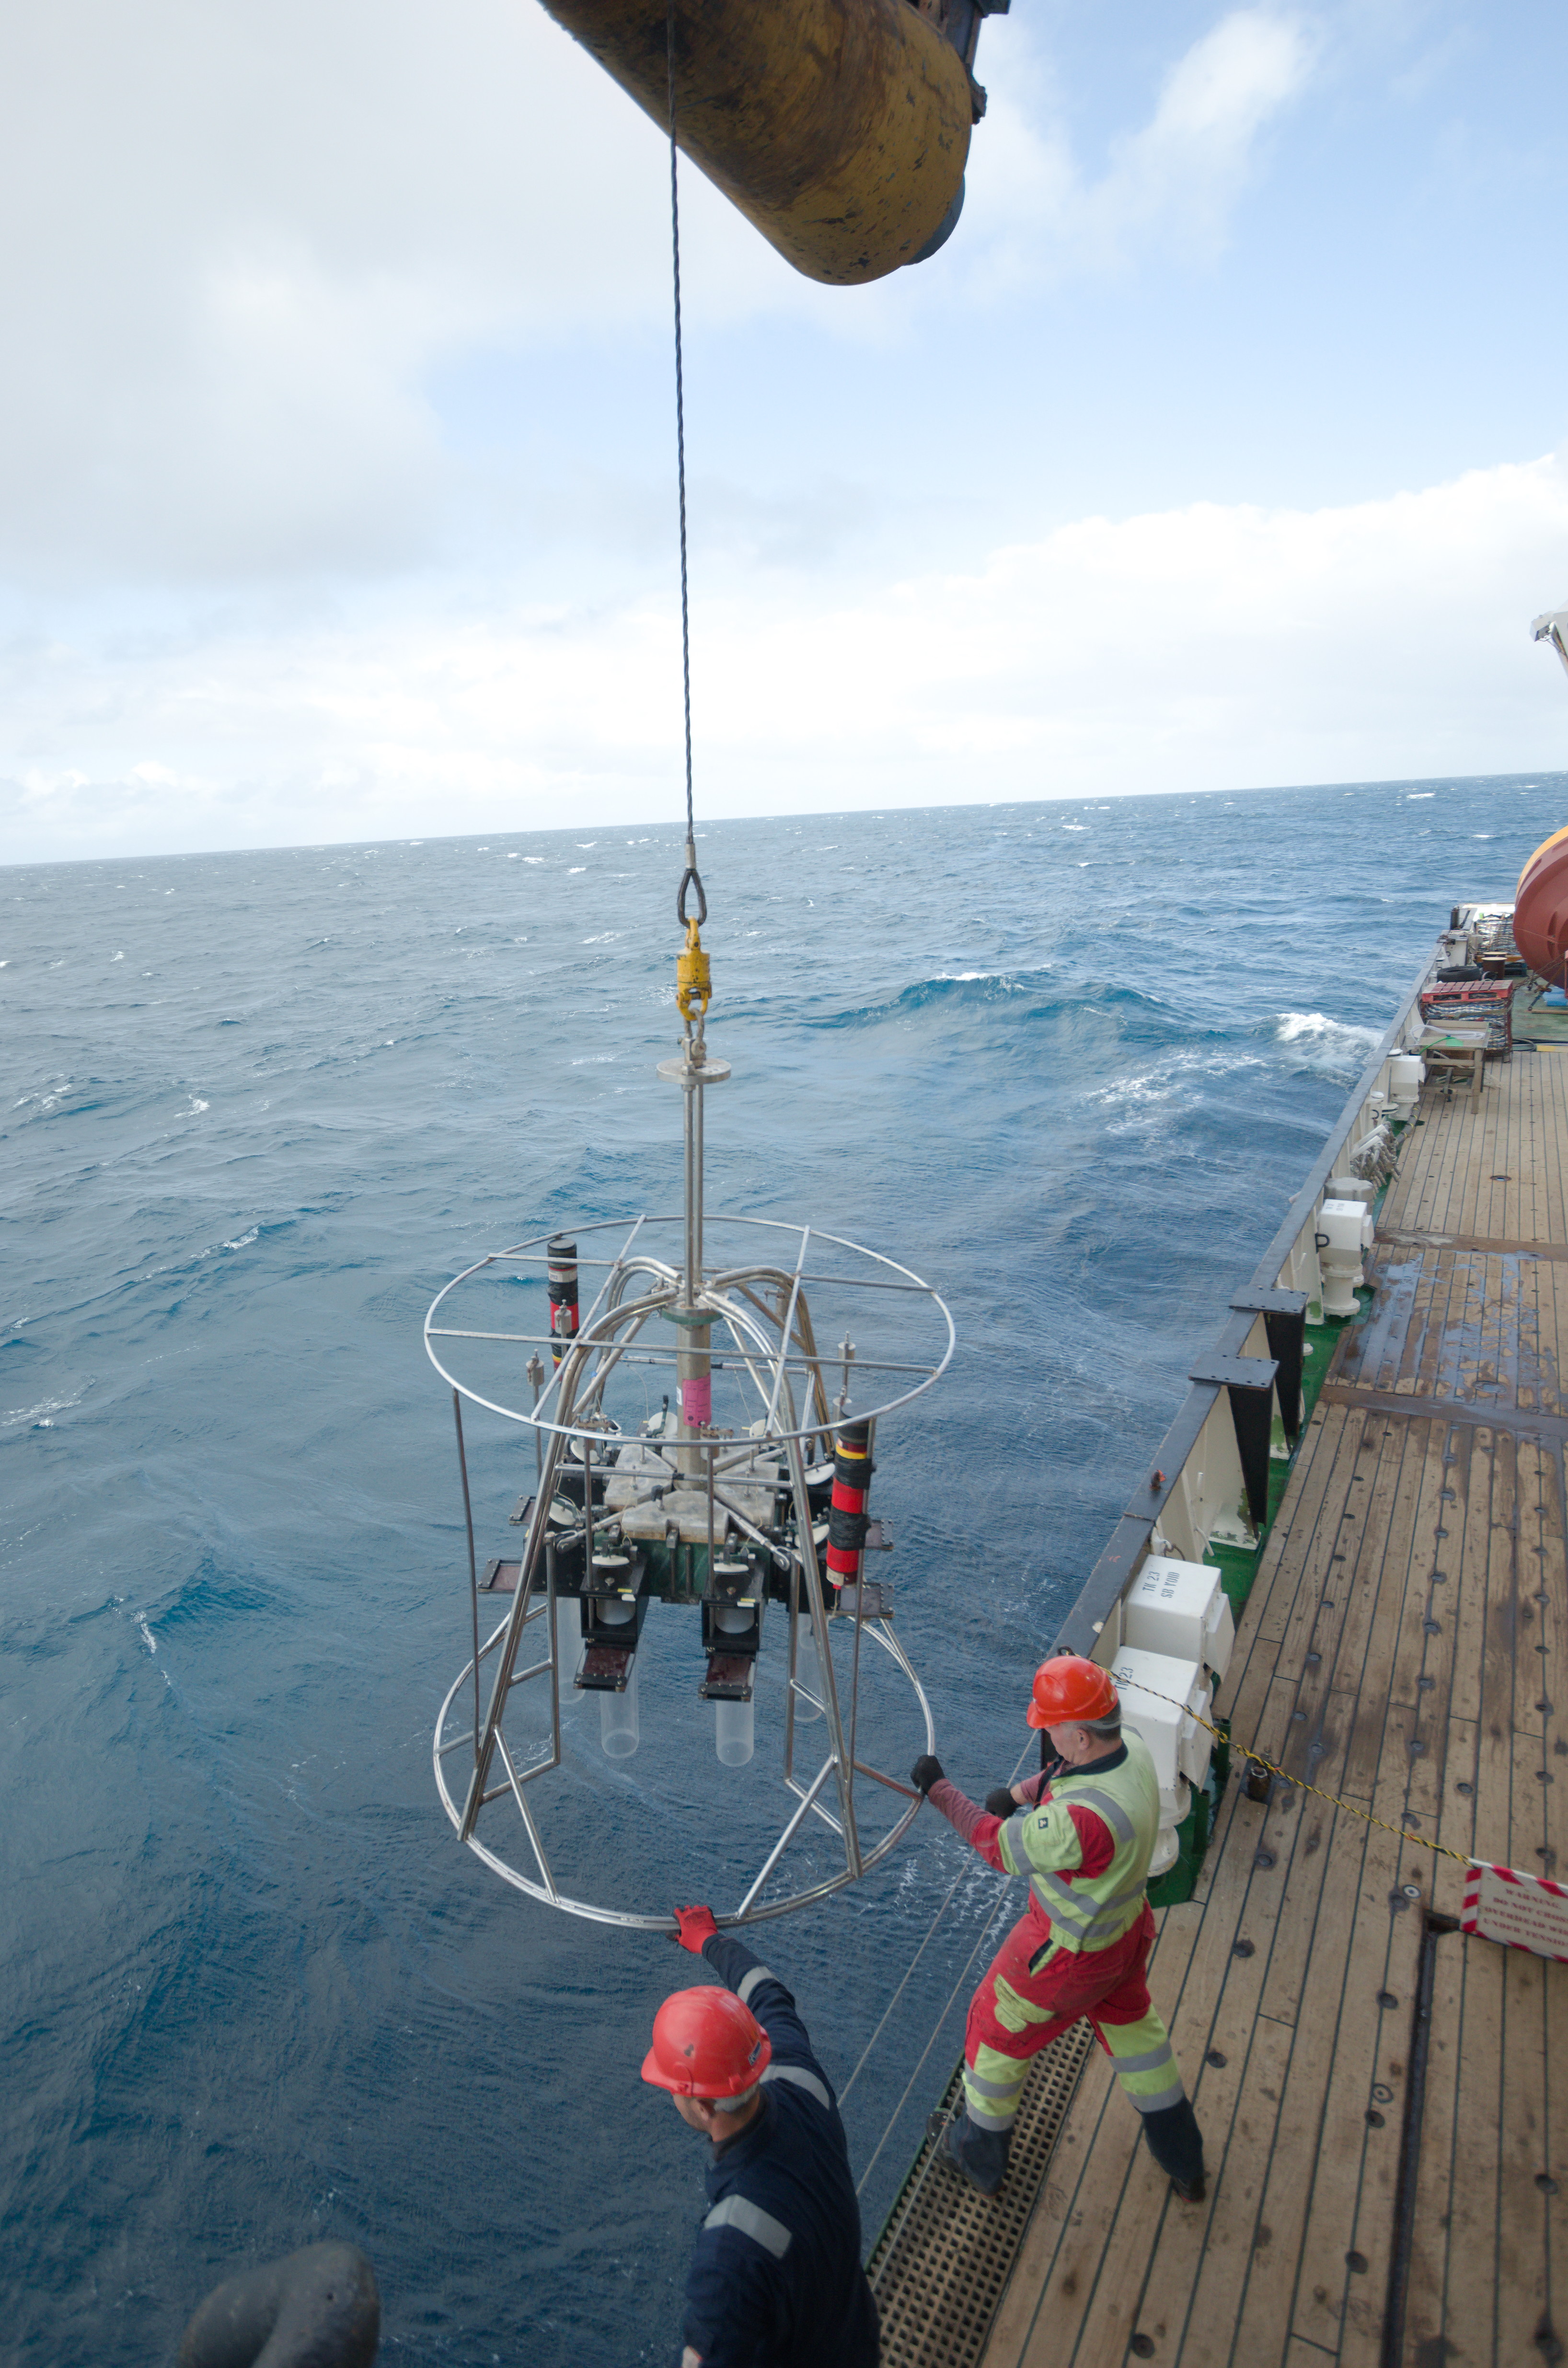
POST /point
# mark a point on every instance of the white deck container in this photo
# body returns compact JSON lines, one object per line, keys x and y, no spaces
{"x":1159,"y":1695}
{"x":1179,"y":1608}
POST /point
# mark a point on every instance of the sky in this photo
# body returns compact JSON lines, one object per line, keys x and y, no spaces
{"x":1224,"y":445}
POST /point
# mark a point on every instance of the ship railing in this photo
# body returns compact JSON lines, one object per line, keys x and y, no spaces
{"x":1208,"y":1480}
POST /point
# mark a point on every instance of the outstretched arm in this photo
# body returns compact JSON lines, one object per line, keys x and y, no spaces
{"x":974,"y":1823}
{"x":755,"y":1984}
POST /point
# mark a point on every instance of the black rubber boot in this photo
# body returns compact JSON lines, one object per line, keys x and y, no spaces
{"x":1176,"y":2145}
{"x":980,"y":2154}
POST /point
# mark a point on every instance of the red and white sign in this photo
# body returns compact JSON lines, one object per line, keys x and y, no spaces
{"x":1522,"y":1911}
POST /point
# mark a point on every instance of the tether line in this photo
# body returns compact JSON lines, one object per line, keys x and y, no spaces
{"x":1250,"y":1751}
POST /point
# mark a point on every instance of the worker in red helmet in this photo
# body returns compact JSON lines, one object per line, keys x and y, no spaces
{"x":1082,"y":1831}
{"x":775,"y":2279}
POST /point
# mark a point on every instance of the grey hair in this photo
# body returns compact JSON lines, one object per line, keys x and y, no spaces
{"x":735,"y":2104}
{"x":1111,"y":1724}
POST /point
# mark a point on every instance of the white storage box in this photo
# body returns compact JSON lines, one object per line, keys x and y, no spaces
{"x":1159,"y":1695}
{"x":1179,"y":1608}
{"x":1175,"y":1800}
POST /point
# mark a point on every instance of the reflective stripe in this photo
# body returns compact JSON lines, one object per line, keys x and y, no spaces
{"x":752,"y":2222}
{"x":1149,"y":2061}
{"x":1089,"y":1913}
{"x":1104,"y":1805}
{"x":1171,"y":2094}
{"x":972,"y":2080}
{"x":993,"y":2104}
{"x":800,"y":2079}
{"x":758,"y":1973}
{"x":1145,"y":2063}
{"x":1010,"y":1842}
{"x":1049,"y":1887}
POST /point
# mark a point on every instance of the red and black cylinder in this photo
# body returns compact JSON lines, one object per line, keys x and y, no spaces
{"x":852,"y":1470}
{"x":561,"y":1270}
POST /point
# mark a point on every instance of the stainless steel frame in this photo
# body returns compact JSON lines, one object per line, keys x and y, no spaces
{"x":761,"y":1311}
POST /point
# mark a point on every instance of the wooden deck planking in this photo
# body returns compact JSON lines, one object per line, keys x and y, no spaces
{"x":1388,"y":1655}
{"x":1523,"y":2286}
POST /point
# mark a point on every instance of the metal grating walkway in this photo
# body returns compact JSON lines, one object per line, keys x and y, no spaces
{"x":940,"y":2265}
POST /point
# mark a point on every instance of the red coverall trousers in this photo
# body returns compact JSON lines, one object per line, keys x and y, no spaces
{"x":1015,"y":2013}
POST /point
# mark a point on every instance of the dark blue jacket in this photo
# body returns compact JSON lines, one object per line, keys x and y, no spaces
{"x":775,"y":2280}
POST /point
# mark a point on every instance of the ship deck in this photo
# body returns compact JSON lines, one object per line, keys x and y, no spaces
{"x":1402,"y":1649}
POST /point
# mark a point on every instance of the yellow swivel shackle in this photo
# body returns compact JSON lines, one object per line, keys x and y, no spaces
{"x":693,"y":981}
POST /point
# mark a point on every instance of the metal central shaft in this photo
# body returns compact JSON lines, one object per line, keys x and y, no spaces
{"x":694,"y":1370}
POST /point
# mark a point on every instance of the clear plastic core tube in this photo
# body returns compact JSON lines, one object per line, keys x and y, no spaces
{"x":620,"y":1726}
{"x":735,"y":1724}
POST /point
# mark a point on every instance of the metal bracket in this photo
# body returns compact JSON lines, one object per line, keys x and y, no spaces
{"x":1284,"y":1315}
{"x":1249,"y":1384}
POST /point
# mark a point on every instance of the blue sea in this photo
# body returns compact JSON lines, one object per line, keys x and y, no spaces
{"x":1071,"y":1061}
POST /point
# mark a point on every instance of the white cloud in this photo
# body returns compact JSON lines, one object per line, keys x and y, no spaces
{"x":244,"y":241}
{"x":1187,"y":649}
{"x":1169,"y":186}
{"x":239,"y":238}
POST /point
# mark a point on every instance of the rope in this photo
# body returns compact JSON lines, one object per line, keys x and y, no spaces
{"x":1003,"y":1907}
{"x":1401,"y":1833}
{"x":930,"y":1935}
{"x":690,"y":877}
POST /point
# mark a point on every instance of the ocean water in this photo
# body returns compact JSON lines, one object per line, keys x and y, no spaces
{"x":1069,"y":1061}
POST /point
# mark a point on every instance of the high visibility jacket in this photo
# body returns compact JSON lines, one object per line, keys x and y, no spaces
{"x":1089,"y":1911}
{"x":775,"y":2280}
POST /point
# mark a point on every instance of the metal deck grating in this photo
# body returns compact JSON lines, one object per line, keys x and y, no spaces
{"x":941,"y":2265}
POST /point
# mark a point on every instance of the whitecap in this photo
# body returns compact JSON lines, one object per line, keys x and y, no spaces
{"x":147,"y":1636}
{"x":198,"y":1105}
{"x":242,"y":1241}
{"x":573,"y":868}
{"x":533,"y":858}
{"x":114,"y":957}
{"x":40,"y":1417}
{"x":1332,"y":1048}
{"x":1412,"y":795}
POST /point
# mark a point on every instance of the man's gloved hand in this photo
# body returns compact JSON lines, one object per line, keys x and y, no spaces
{"x":928,"y":1771}
{"x":999,"y":1802}
{"x":697,"y":1925}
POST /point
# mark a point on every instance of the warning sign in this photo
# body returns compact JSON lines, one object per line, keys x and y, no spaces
{"x":1522,"y":1911}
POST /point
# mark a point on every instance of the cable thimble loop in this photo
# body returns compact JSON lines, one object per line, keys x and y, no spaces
{"x":690,"y":878}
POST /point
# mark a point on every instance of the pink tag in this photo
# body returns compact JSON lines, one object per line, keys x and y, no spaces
{"x":696,"y":1400}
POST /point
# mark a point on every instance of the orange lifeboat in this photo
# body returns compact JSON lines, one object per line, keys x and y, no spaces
{"x":1541,"y":910}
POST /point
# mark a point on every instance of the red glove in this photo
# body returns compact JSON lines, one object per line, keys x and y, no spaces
{"x":697,"y":1925}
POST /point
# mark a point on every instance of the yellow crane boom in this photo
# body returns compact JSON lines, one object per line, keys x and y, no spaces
{"x":839,"y":128}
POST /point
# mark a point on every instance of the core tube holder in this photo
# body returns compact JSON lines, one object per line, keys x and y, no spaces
{"x":620,"y":1725}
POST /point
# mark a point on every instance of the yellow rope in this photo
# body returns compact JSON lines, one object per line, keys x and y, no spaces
{"x":1401,"y":1833}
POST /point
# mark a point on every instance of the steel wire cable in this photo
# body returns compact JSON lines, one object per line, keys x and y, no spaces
{"x":691,"y":875}
{"x":930,"y":1936}
{"x":946,"y":2010}
{"x":1002,"y":1909}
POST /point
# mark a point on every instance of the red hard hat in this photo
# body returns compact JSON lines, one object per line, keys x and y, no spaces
{"x":706,"y":2044}
{"x":1070,"y":1687}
